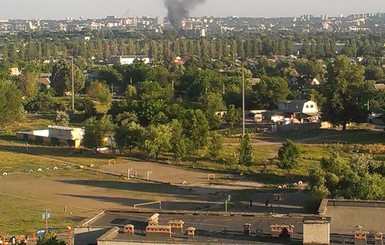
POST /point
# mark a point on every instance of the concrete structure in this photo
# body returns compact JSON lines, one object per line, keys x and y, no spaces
{"x":347,"y":214}
{"x":129,"y":59}
{"x":115,"y":227}
{"x":54,"y":135}
{"x":316,"y":230}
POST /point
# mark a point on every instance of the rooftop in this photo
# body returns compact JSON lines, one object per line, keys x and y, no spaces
{"x":212,"y":227}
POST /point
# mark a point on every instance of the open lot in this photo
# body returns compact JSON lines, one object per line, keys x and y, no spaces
{"x":85,"y":183}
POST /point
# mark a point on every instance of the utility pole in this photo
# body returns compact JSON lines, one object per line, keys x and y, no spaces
{"x":72,"y":84}
{"x":243,"y":101}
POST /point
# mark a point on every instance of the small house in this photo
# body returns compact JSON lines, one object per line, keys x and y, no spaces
{"x":299,"y":109}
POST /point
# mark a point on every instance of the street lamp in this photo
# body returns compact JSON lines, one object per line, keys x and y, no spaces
{"x":72,"y":84}
{"x":243,"y":97}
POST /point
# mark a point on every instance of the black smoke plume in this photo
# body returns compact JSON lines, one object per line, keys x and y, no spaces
{"x":180,"y":9}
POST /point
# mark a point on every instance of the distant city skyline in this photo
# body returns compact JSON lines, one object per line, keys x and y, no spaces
{"x":58,"y":9}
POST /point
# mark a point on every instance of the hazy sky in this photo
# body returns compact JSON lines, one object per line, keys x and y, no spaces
{"x":59,"y":9}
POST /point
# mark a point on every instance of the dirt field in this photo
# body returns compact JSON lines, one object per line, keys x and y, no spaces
{"x":75,"y":194}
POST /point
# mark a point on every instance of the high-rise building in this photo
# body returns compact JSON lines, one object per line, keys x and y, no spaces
{"x":160,"y":20}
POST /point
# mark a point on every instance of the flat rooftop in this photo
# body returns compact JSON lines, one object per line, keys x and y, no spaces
{"x":220,"y":227}
{"x":347,"y":214}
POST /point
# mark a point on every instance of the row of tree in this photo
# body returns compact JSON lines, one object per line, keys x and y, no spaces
{"x":163,"y":49}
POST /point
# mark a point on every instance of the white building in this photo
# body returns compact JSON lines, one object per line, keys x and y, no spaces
{"x":129,"y":59}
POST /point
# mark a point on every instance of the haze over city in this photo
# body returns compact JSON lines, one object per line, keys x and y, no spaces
{"x":57,"y":9}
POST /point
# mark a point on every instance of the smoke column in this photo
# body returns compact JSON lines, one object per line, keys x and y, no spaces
{"x":180,"y":9}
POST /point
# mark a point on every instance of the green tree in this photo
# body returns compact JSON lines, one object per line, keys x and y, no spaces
{"x":128,"y":136}
{"x":44,"y":103}
{"x":62,"y":118}
{"x":245,"y":151}
{"x":216,"y":145}
{"x":288,"y":155}
{"x":210,"y":103}
{"x":178,"y":141}
{"x":233,"y":116}
{"x":96,"y":130}
{"x":29,"y":83}
{"x":356,"y":178}
{"x":11,"y":108}
{"x":269,"y":91}
{"x":346,"y":92}
{"x":196,"y":128}
{"x":157,"y":140}
{"x":62,"y":78}
{"x":99,"y":92}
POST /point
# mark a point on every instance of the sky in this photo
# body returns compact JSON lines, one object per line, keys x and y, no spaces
{"x":60,"y":9}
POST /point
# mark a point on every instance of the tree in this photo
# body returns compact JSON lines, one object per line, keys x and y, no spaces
{"x":216,"y":145}
{"x":269,"y":91}
{"x":128,"y":136}
{"x":62,"y":78}
{"x":43,"y":103}
{"x":288,"y":155}
{"x":62,"y":118}
{"x":196,"y":128}
{"x":29,"y":83}
{"x":356,"y":178}
{"x":233,"y":115}
{"x":99,"y":92}
{"x":245,"y":151}
{"x":126,"y":117}
{"x":178,"y":142}
{"x":210,"y":103}
{"x":157,"y":140}
{"x":346,"y":92}
{"x":11,"y":107}
{"x":96,"y":130}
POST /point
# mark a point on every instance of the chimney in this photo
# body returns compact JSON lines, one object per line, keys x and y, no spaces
{"x":378,"y":238}
{"x":190,"y":232}
{"x":246,"y":229}
{"x":129,"y":229}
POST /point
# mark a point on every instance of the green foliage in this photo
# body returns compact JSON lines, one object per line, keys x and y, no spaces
{"x":178,"y":141}
{"x":151,"y":111}
{"x":157,"y":140}
{"x":346,"y":92}
{"x":355,"y":178}
{"x":96,"y":130}
{"x":215,"y":146}
{"x":99,"y":92}
{"x":196,"y":128}
{"x":62,"y":118}
{"x":85,"y":105}
{"x":288,"y":155}
{"x":128,"y":135}
{"x":62,"y":78}
{"x":270,"y":91}
{"x":245,"y":151}
{"x":126,"y":117}
{"x":233,"y":115}
{"x":44,"y":103}
{"x":29,"y":83}
{"x":210,"y":103}
{"x":10,"y":103}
